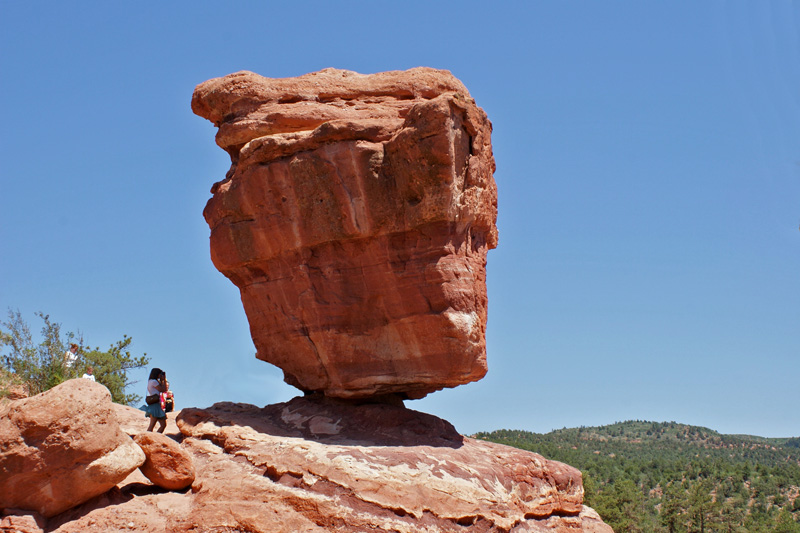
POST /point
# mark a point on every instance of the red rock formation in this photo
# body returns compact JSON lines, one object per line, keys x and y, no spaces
{"x":317,"y":465}
{"x":20,"y":522}
{"x":355,"y":220}
{"x":378,"y":468}
{"x":60,"y":448}
{"x":167,"y":464}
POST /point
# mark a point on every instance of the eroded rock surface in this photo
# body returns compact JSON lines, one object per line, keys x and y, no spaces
{"x":317,"y":464}
{"x":19,"y":522}
{"x":167,"y":464}
{"x":60,"y":448}
{"x":355,"y":220}
{"x":381,"y":467}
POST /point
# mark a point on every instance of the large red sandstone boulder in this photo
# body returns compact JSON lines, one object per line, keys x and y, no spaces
{"x":355,"y":220}
{"x":60,"y":448}
{"x":167,"y":464}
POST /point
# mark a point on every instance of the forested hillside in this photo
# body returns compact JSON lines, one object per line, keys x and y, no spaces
{"x":670,"y":477}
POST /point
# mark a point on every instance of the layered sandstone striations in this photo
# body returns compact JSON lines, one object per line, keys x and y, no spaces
{"x":355,"y":220}
{"x":312,"y":464}
{"x":316,"y":464}
{"x":380,"y":467}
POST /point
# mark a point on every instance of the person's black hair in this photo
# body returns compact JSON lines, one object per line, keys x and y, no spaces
{"x":155,"y":373}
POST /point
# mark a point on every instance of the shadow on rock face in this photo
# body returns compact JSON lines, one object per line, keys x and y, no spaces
{"x":331,"y":421}
{"x":114,"y":497}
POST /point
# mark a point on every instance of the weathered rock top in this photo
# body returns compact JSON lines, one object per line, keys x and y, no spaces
{"x":245,"y":105}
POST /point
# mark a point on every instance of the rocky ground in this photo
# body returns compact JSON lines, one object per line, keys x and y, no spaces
{"x":314,"y":464}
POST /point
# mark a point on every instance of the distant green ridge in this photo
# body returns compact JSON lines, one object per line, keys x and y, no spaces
{"x":666,"y":476}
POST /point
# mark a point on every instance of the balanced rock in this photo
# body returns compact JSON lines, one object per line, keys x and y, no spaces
{"x":355,"y":220}
{"x":323,"y":464}
{"x":62,"y":447}
{"x":167,"y":464}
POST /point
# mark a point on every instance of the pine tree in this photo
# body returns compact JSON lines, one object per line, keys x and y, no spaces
{"x":622,"y":505}
{"x":786,"y":524}
{"x":111,"y":369}
{"x":672,"y":514}
{"x":701,"y":506}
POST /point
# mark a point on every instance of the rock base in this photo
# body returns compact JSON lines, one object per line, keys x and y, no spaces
{"x":320,"y":464}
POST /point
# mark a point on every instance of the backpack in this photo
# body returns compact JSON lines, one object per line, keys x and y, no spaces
{"x":169,"y":402}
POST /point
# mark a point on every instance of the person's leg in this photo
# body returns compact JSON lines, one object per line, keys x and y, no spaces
{"x":163,"y":425}
{"x":152,"y":423}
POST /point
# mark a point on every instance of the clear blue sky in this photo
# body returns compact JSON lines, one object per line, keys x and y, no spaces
{"x":648,"y":166}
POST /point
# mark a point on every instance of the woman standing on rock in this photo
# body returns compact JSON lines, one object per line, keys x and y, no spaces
{"x":156,"y":384}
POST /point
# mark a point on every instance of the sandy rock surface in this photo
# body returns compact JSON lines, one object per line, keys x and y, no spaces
{"x":133,"y":421}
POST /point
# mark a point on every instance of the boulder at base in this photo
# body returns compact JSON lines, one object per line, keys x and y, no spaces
{"x":320,"y":465}
{"x":60,"y":448}
{"x":167,"y":465}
